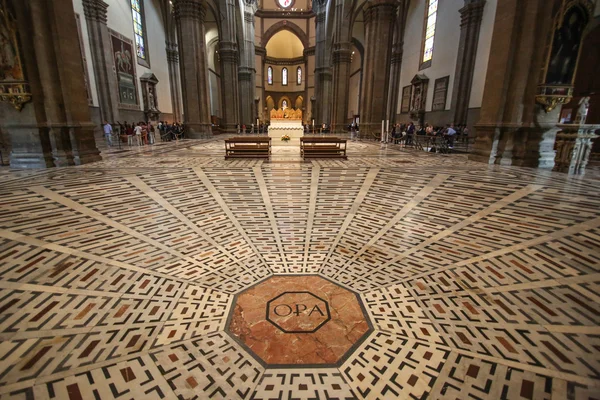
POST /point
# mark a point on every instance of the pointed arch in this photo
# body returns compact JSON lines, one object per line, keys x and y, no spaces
{"x":285,"y":25}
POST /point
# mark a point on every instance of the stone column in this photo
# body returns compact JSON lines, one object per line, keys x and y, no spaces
{"x":342,"y":57}
{"x":189,"y":15}
{"x":513,"y":129}
{"x":323,"y":73}
{"x":396,"y":67}
{"x":174,"y":81}
{"x":379,"y":23}
{"x":246,"y":71}
{"x":470,"y":15}
{"x":55,"y":129}
{"x":395,"y":70}
{"x":102,"y":59}
{"x":228,"y":52}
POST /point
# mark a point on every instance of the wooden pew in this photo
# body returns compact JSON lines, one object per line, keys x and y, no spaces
{"x":323,"y":147}
{"x":248,"y":147}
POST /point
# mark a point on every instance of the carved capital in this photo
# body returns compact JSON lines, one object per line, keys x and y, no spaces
{"x":188,"y":9}
{"x":95,"y":10}
{"x":342,"y":52}
{"x":245,"y":74}
{"x":249,"y":17}
{"x":472,"y":12}
{"x":380,"y":11}
{"x":320,"y":18}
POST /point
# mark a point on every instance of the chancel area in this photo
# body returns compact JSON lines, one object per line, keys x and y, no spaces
{"x":299,"y":199}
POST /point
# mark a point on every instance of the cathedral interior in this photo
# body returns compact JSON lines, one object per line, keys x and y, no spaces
{"x":143,"y":258}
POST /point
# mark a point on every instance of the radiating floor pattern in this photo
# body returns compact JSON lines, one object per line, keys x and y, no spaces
{"x":118,"y":279}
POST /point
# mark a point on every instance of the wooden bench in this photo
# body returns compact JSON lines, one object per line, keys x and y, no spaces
{"x":248,"y":147}
{"x":323,"y":147}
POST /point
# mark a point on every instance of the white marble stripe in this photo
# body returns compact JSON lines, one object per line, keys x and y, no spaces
{"x":49,"y":194}
{"x":312,"y":206}
{"x":260,"y":180}
{"x":219,"y":199}
{"x":148,"y":191}
{"x":467,"y":221}
{"x":571,"y":230}
{"x":369,"y":179}
{"x":419,"y":197}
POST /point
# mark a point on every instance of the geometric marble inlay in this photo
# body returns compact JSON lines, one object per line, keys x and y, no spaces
{"x":300,"y":320}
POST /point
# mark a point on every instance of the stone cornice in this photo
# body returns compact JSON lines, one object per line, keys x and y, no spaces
{"x":309,"y":51}
{"x":188,"y":9}
{"x":260,"y":51}
{"x":95,"y":10}
{"x":284,"y":61}
{"x":269,"y":14}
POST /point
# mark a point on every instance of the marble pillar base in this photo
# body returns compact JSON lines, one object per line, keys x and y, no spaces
{"x":198,"y":130}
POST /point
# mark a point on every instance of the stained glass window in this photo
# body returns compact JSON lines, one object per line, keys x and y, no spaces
{"x":430,"y":30}
{"x":299,"y":76}
{"x":270,"y":75}
{"x":284,"y":76}
{"x":138,"y":28}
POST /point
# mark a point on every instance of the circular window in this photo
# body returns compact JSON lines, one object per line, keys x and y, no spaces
{"x":284,"y":3}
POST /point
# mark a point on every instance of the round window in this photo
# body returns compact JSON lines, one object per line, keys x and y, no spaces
{"x":285,"y":3}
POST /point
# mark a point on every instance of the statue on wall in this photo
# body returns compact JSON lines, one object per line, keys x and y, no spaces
{"x":149,"y":82}
{"x":584,"y":106}
{"x":273,"y":113}
{"x":151,"y":102}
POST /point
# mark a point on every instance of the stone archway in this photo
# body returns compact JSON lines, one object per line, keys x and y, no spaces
{"x":285,"y":25}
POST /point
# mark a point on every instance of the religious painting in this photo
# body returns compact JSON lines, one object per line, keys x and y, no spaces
{"x":440,"y":92}
{"x":13,"y":87}
{"x":565,"y":47}
{"x":406,"y":92}
{"x":124,"y":66}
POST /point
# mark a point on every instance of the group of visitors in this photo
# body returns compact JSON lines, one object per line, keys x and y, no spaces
{"x":260,"y":128}
{"x":169,"y":131}
{"x":142,"y":133}
{"x":406,"y":133}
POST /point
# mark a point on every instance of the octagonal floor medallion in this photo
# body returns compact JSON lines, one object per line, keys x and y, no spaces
{"x":300,"y":320}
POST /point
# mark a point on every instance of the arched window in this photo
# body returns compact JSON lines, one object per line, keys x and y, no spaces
{"x":270,"y":75}
{"x":430,"y":20}
{"x":139,"y":30}
{"x":299,"y":76}
{"x":284,"y":76}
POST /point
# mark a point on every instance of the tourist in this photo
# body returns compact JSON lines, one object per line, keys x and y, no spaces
{"x":450,"y":133}
{"x":108,"y":131}
{"x":138,"y":133}
{"x":410,"y":131}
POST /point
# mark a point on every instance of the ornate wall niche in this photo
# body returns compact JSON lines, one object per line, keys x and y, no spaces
{"x":563,"y":53}
{"x":149,"y":82}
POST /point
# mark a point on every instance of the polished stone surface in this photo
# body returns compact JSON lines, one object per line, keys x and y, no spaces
{"x":118,"y":278}
{"x":298,"y":320}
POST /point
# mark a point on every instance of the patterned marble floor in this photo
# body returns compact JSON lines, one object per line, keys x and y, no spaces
{"x":149,"y":275}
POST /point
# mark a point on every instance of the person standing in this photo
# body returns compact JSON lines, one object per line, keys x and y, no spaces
{"x":450,"y":134}
{"x":138,"y":133}
{"x":108,"y":131}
